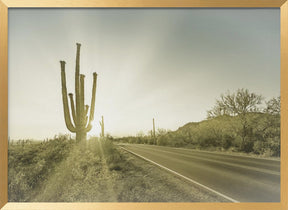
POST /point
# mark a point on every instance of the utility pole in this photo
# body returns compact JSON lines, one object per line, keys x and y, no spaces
{"x":154,"y":135}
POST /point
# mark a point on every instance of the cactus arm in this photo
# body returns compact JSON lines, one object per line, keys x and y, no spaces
{"x":86,"y":109}
{"x":93,"y":97}
{"x":82,"y":106}
{"x":86,"y":120}
{"x":77,"y":81}
{"x":88,"y":128}
{"x":72,"y":108}
{"x":67,"y":117}
{"x":91,"y":117}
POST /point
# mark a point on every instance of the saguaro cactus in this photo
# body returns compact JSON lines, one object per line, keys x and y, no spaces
{"x":102,"y":127}
{"x":82,"y":124}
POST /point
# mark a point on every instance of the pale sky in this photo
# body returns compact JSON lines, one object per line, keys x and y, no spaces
{"x":167,"y":64}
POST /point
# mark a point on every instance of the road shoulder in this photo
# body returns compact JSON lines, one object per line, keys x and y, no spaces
{"x":149,"y":183}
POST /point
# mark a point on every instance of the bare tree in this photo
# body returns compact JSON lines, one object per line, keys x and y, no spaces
{"x":273,"y":106}
{"x":238,"y":104}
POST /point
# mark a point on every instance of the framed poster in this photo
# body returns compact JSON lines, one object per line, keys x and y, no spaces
{"x":115,"y":105}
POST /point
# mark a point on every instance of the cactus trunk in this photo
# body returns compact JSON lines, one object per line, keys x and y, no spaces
{"x":82,"y":124}
{"x":80,"y":136}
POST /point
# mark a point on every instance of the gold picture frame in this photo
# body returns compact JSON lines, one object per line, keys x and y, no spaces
{"x":6,"y":4}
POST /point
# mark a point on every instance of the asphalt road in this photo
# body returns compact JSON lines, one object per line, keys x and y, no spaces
{"x":243,"y":179}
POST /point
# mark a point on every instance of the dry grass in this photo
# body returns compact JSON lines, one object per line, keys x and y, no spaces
{"x":98,"y":171}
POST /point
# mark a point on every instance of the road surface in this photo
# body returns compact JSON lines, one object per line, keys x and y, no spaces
{"x":243,"y":179}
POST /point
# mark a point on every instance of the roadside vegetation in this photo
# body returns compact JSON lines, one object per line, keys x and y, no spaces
{"x":61,"y":170}
{"x":30,"y":164}
{"x":239,"y":122}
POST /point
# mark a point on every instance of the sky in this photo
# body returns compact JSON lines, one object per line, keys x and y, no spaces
{"x":167,"y":64}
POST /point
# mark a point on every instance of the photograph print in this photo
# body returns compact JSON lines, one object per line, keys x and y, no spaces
{"x":144,"y":105}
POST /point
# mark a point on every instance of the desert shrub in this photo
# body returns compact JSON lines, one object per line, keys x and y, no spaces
{"x":247,"y":146}
{"x":274,"y":146}
{"x":30,"y":163}
{"x":258,"y":147}
{"x":162,"y":141}
{"x":227,"y":141}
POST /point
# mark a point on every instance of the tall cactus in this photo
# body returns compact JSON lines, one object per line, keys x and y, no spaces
{"x":82,"y":123}
{"x":102,"y":135}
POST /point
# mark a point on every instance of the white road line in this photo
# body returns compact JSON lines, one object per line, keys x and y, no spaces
{"x":174,"y":172}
